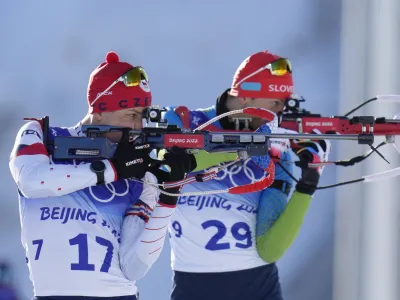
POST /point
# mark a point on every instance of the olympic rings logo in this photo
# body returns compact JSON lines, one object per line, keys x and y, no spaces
{"x":234,"y":170}
{"x":111,"y":188}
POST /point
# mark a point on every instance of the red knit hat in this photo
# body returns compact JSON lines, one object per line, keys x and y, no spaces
{"x":263,"y":84}
{"x":119,"y":96}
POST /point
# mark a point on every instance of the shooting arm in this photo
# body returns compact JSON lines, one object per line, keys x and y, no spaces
{"x":279,"y":220}
{"x":36,"y":177}
{"x":143,"y":232}
{"x":142,"y":238}
{"x":273,"y":242}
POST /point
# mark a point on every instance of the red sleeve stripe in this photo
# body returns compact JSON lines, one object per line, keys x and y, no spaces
{"x":141,"y":215}
{"x":156,"y":228}
{"x":155,"y":250}
{"x":155,"y":217}
{"x":166,"y":205}
{"x":153,"y":241}
{"x":34,"y":149}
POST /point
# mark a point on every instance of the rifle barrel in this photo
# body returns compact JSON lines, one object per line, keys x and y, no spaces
{"x":351,"y":137}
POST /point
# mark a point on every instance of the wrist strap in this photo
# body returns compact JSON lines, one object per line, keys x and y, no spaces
{"x":170,"y":200}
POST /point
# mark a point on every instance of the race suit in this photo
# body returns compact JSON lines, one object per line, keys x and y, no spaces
{"x":82,"y":239}
{"x":218,"y":241}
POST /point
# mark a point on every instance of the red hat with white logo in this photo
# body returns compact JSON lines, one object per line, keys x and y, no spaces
{"x":263,"y":75}
{"x":109,"y":88}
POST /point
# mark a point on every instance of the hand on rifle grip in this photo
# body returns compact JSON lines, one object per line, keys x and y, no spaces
{"x":180,"y":164}
{"x":310,"y":151}
{"x":131,"y":160}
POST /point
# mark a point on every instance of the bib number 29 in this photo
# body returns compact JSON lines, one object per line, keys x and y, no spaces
{"x":240,"y":231}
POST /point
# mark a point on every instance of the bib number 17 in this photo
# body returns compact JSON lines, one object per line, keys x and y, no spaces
{"x":81,"y":242}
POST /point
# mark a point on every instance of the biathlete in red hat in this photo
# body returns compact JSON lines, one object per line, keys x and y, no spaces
{"x":88,"y":230}
{"x":225,"y":246}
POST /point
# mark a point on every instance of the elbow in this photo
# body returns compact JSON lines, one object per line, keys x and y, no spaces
{"x":30,"y":189}
{"x":29,"y":186}
{"x":134,"y":275}
{"x":27,"y":190}
{"x":270,"y":253}
{"x":270,"y":257}
{"x":133,"y":268}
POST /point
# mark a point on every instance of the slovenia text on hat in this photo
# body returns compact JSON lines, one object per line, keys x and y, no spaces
{"x":262,"y":84}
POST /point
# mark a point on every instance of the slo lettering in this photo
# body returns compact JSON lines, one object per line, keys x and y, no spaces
{"x":280,"y":88}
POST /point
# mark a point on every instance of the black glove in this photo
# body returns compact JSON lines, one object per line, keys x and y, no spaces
{"x":308,"y":182}
{"x":310,"y":151}
{"x":180,"y":164}
{"x":131,"y":160}
{"x":309,"y":176}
